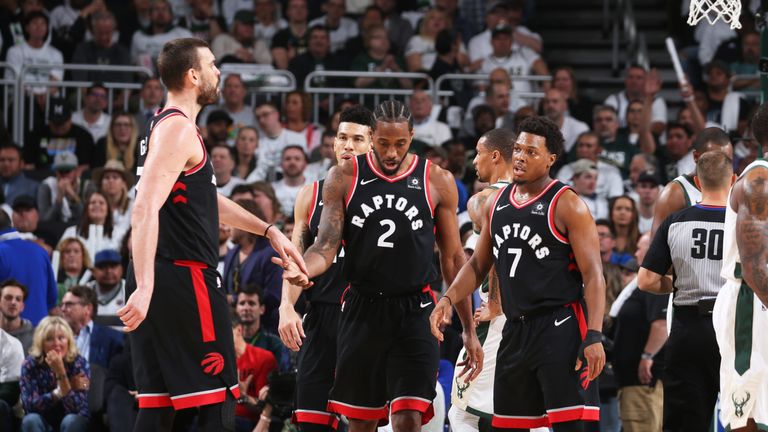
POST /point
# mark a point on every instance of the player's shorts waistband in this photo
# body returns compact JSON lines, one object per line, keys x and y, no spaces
{"x":381,"y":295}
{"x":538,"y":313}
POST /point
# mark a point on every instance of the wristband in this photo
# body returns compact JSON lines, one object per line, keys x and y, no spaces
{"x":593,"y":337}
{"x":449,"y":299}
{"x":267,"y":230}
{"x":646,"y":356}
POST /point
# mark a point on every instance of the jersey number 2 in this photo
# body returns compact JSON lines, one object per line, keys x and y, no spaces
{"x":388,"y":233}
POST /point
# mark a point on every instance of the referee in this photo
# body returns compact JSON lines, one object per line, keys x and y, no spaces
{"x":691,"y":243}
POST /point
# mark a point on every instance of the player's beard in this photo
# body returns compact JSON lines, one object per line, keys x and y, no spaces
{"x":388,"y":172}
{"x":209,"y":94}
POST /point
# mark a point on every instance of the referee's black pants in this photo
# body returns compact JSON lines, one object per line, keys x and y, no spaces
{"x":691,"y":372}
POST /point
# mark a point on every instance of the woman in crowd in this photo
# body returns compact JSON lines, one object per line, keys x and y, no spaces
{"x":246,"y":144}
{"x":265,"y":197}
{"x":120,"y":141}
{"x":54,"y":380}
{"x":579,"y":106}
{"x":114,"y":182}
{"x":74,"y":265}
{"x":96,"y":229}
{"x":624,"y":218}
{"x":298,"y":110}
{"x":420,"y":53}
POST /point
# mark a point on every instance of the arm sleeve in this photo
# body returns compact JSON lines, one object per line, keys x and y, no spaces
{"x":658,"y":259}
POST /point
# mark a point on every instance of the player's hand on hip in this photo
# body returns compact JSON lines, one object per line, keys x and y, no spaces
{"x":291,"y":329}
{"x":286,"y":249}
{"x":473,"y":362}
{"x":292,"y":273}
{"x":440,"y":316}
{"x":135,"y":309}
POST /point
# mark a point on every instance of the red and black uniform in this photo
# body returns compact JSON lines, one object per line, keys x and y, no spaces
{"x":317,"y":358}
{"x":183,"y":352}
{"x":542,"y":296}
{"x":386,"y":355}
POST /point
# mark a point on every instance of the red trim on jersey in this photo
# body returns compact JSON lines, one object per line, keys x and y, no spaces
{"x":580,"y":318}
{"x":426,"y":188}
{"x":201,"y":296}
{"x":206,"y":397}
{"x":493,"y":207}
{"x":358,"y":412}
{"x":315,"y":186}
{"x":414,"y":404}
{"x":580,"y":412}
{"x":200,"y":165}
{"x":162,"y":400}
{"x":530,"y":200}
{"x":514,"y":422}
{"x":179,"y":199}
{"x":381,"y":175}
{"x":551,"y":216}
{"x":353,"y":186}
{"x":316,"y":417}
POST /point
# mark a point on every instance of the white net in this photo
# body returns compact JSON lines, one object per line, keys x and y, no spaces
{"x":713,"y":10}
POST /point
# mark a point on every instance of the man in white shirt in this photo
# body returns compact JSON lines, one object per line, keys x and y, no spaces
{"x":293,"y":163}
{"x":92,"y":117}
{"x":340,"y":27}
{"x":584,"y":183}
{"x":425,"y":128}
{"x":108,"y":281}
{"x":498,"y":12}
{"x":634,"y":89}
{"x":609,"y":183}
{"x":35,"y":50}
{"x":147,"y":43}
{"x":516,"y":59}
{"x":223,"y":161}
{"x":272,"y":142}
{"x":233,"y":93}
{"x":11,"y":359}
{"x":647,"y":189}
{"x":556,"y":109}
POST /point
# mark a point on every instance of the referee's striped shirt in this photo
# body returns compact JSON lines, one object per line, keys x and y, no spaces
{"x":691,"y":241}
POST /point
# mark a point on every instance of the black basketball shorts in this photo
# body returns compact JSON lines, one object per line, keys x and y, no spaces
{"x":317,"y":362}
{"x":183,"y":352}
{"x":536,"y":384}
{"x":387,"y":358}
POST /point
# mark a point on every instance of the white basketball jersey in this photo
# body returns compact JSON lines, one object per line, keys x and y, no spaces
{"x":691,"y":192}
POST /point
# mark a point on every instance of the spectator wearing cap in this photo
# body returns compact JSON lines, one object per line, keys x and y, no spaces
{"x":647,"y":190}
{"x":13,"y":298}
{"x":480,"y":45}
{"x":35,"y":50}
{"x":223,"y":160}
{"x":609,"y":183}
{"x":26,"y":220}
{"x":724,"y":107}
{"x":425,"y":127}
{"x":514,"y":58}
{"x":102,"y":49}
{"x":58,"y":199}
{"x":147,"y":42}
{"x":217,"y":129}
{"x":293,"y":162}
{"x":96,"y":228}
{"x":29,"y":264}
{"x":556,"y":109}
{"x":634,"y":89}
{"x":98,"y":344}
{"x":340,"y":27}
{"x":234,"y":94}
{"x":584,"y":182}
{"x":92,"y":117}
{"x":12,"y":178}
{"x":74,"y":264}
{"x":240,"y":45}
{"x":115,"y":182}
{"x":61,"y":135}
{"x":108,"y":282}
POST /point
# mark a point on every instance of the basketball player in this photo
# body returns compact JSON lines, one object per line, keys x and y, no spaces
{"x":471,"y":408}
{"x":740,"y":316}
{"x":317,"y":358}
{"x":543,"y":242}
{"x":690,"y":243}
{"x":390,"y":206}
{"x":682,"y":191}
{"x":183,"y":352}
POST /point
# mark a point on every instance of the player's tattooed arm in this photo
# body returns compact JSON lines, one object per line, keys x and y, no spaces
{"x":475,"y":208}
{"x":751,"y":198}
{"x":319,"y":256}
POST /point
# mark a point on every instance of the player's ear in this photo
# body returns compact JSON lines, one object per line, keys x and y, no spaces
{"x":697,"y":182}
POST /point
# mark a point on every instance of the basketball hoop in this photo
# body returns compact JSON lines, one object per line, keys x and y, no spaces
{"x":713,"y":10}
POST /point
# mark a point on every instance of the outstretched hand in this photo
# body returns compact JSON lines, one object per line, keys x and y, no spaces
{"x":473,"y":362}
{"x":285,"y":248}
{"x":292,"y":273}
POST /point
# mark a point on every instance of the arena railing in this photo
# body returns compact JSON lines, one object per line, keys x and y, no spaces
{"x":360,"y":92}
{"x":24,"y":100}
{"x":9,"y":86}
{"x":438,"y":93}
{"x":260,"y":80}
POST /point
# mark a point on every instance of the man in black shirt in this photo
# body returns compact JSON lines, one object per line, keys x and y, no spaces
{"x":101,"y":50}
{"x":61,"y":135}
{"x":317,"y":57}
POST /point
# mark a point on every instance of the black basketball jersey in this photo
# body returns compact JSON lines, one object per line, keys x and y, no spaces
{"x":189,"y":218}
{"x":534,"y":261}
{"x":330,"y":285}
{"x":389,"y":229}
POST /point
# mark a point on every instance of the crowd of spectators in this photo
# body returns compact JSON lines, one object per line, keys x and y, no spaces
{"x":67,"y":194}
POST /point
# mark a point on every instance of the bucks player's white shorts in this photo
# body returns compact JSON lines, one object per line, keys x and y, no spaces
{"x":741,"y":325}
